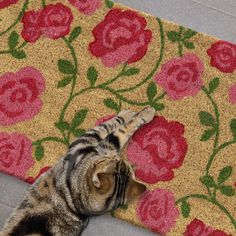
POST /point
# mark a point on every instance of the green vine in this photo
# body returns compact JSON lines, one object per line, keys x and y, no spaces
{"x":13,"y":39}
{"x":182,"y":37}
{"x":152,"y":73}
{"x":24,"y":7}
{"x":43,"y":3}
{"x":70,"y":71}
{"x":212,"y":122}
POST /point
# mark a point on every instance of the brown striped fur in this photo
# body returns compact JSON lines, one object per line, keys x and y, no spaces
{"x":90,"y":179}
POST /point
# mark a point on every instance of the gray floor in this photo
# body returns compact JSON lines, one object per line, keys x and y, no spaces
{"x":215,"y":17}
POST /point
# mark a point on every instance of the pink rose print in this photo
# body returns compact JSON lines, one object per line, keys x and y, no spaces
{"x":157,"y":210}
{"x":104,"y":119}
{"x":120,"y":37}
{"x":181,"y":77}
{"x":15,"y":154}
{"x":156,"y":149}
{"x":87,"y":7}
{"x":20,"y":95}
{"x":53,"y":21}
{"x":198,"y":228}
{"x":6,"y":3}
{"x":31,"y":31}
{"x":223,"y":56}
{"x":31,"y":179}
{"x":232,"y":94}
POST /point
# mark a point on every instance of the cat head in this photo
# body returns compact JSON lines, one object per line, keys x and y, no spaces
{"x":107,"y":183}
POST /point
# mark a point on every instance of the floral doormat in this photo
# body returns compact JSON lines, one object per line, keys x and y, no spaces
{"x":65,"y":64}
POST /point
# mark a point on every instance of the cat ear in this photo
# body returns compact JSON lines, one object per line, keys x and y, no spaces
{"x":103,"y":173}
{"x":135,"y":189}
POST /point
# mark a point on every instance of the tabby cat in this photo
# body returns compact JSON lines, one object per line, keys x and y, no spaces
{"x":89,"y":180}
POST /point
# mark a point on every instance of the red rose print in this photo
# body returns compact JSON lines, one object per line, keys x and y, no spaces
{"x":31,"y":180}
{"x":20,"y":95}
{"x":181,"y":77}
{"x":6,"y":3}
{"x":156,"y":149}
{"x":104,"y":119}
{"x":232,"y":94}
{"x":198,"y":228}
{"x":219,"y":233}
{"x":120,"y":37}
{"x":157,"y":210}
{"x":87,"y":7}
{"x":55,"y":20}
{"x":15,"y":154}
{"x":223,"y":56}
{"x":31,"y":31}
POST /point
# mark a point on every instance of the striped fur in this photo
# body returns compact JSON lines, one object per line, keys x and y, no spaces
{"x":90,"y":179}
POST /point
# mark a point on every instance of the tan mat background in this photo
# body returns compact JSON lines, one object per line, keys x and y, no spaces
{"x":66,"y":64}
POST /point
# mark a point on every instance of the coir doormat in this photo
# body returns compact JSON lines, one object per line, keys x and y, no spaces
{"x":65,"y":64}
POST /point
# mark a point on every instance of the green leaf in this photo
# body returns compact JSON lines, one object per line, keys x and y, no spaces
{"x":185,"y":209}
{"x":110,"y":103}
{"x":79,"y":118}
{"x":173,"y":36}
{"x":151,"y":91}
{"x":224,"y":174}
{"x":189,"y":45}
{"x":213,"y":85}
{"x":113,"y":213}
{"x":64,"y":82}
{"x":208,"y":181}
{"x":233,"y":127}
{"x":189,"y":34}
{"x":63,"y":125}
{"x":206,"y":118}
{"x":74,"y":34}
{"x":158,"y":106}
{"x":124,"y":207}
{"x":228,"y":191}
{"x":39,"y":152}
{"x":207,"y":134}
{"x":66,"y":67}
{"x":131,"y":71}
{"x":18,"y":54}
{"x":78,"y":132}
{"x":109,"y":3}
{"x":92,"y":75}
{"x":13,"y":40}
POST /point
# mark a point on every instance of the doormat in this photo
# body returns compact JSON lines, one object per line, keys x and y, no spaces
{"x":66,"y":64}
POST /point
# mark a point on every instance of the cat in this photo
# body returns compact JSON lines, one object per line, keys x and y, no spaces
{"x":91,"y":179}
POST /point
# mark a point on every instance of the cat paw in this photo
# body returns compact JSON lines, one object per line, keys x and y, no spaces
{"x":127,"y":115}
{"x":147,"y":114}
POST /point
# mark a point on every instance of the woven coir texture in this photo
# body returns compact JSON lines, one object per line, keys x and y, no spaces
{"x":66,"y":64}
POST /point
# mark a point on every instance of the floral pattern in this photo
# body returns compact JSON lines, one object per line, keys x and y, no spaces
{"x":198,"y":228}
{"x":20,"y":95}
{"x":181,"y":77}
{"x":114,"y":58}
{"x":53,"y":21}
{"x":6,"y":3}
{"x":157,"y":210}
{"x":223,"y":56}
{"x":120,"y":38}
{"x":232,"y":94}
{"x":156,"y":149}
{"x":15,"y":154}
{"x":87,"y":7}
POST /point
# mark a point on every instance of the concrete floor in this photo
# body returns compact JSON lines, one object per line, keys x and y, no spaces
{"x":214,"y":17}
